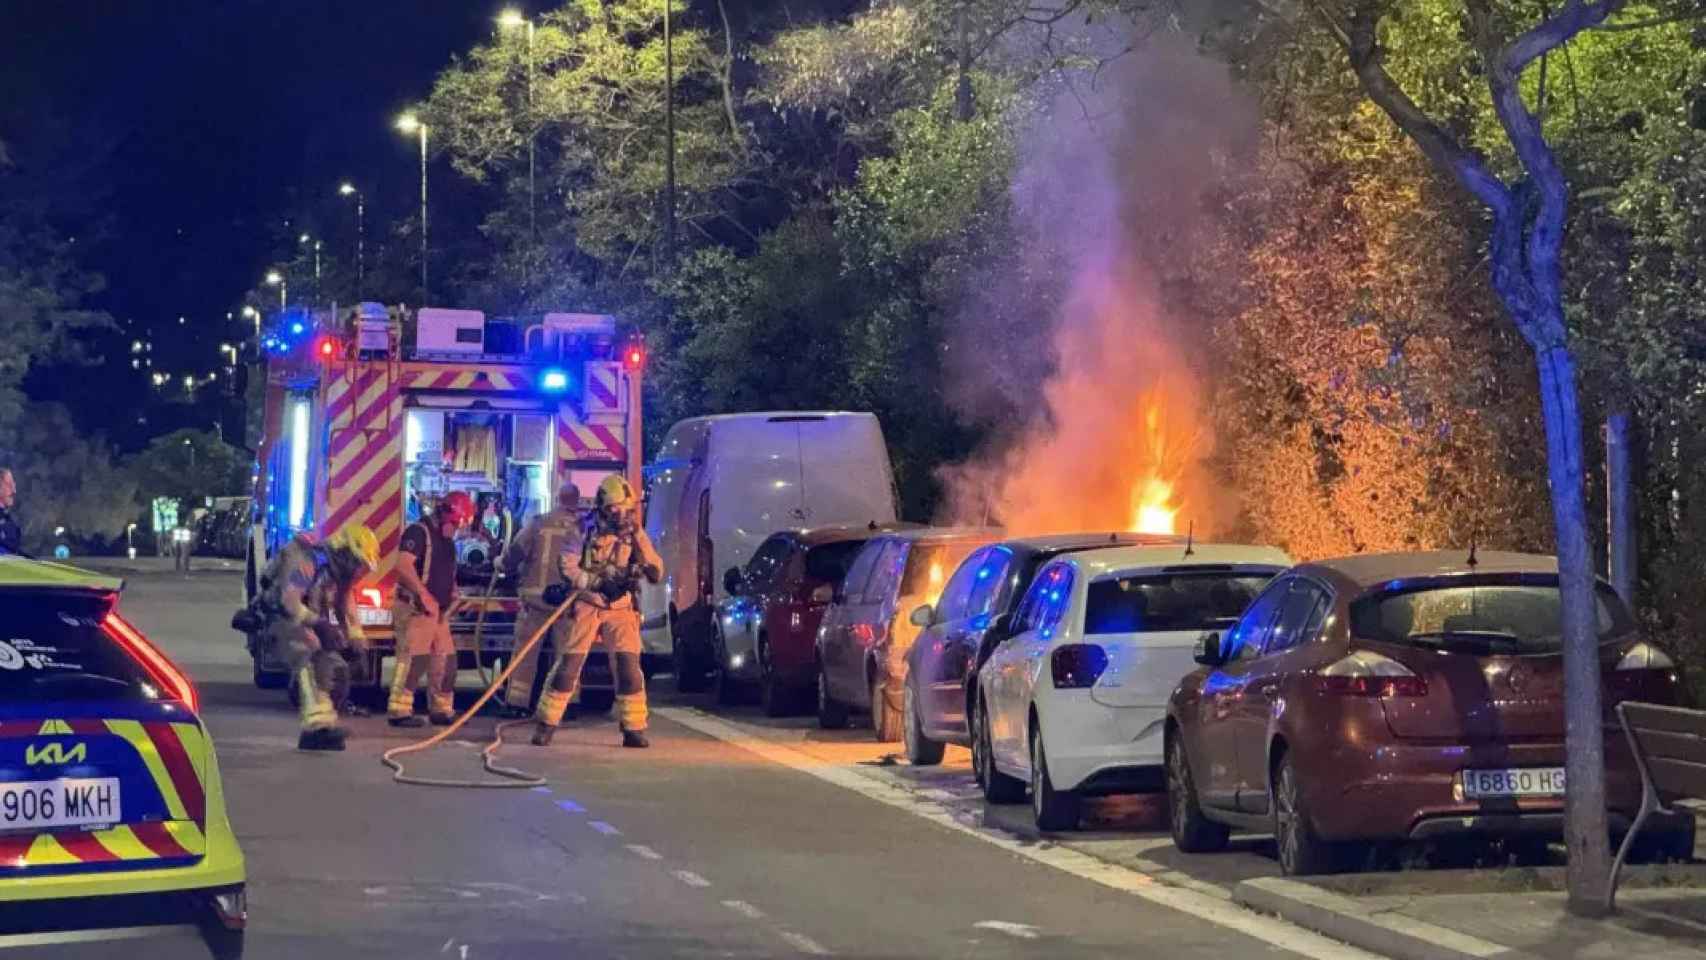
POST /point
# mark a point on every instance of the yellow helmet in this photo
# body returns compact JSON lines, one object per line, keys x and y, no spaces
{"x":359,"y":541}
{"x":616,"y":492}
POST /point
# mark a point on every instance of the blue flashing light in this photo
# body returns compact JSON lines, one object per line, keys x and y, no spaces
{"x":554,"y":381}
{"x":296,"y":328}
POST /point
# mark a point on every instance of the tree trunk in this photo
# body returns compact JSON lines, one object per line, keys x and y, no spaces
{"x":1620,"y":546}
{"x":1585,"y":828}
{"x":963,"y":105}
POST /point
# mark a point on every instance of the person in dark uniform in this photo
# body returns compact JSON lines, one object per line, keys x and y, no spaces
{"x":11,"y":535}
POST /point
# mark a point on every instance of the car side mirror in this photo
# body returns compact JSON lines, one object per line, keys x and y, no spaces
{"x":923,"y":615}
{"x":1208,"y":652}
{"x":824,"y":593}
{"x":732,"y":580}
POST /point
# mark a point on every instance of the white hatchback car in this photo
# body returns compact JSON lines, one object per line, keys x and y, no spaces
{"x":1074,"y":702}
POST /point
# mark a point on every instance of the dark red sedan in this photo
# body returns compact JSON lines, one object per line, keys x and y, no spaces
{"x":1398,"y":697}
{"x":767,"y":626}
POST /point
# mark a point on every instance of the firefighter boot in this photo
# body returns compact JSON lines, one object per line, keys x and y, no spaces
{"x":542,"y":733}
{"x":635,"y":739}
{"x":322,"y":738}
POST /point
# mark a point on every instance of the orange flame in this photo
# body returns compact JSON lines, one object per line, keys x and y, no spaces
{"x":1153,"y":509}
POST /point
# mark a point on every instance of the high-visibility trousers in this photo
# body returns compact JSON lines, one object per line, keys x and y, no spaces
{"x":519,"y":692}
{"x":619,"y":631}
{"x":424,"y":647}
{"x":321,"y":676}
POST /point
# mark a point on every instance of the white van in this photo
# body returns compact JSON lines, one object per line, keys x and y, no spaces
{"x":720,"y":485}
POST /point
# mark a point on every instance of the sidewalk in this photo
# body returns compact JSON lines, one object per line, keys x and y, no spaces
{"x":1428,"y":914}
{"x":154,"y":565}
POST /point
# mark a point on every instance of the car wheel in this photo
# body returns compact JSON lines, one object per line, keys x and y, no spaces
{"x":885,"y":719}
{"x":832,"y":714}
{"x":921,"y":751}
{"x":1054,"y":809}
{"x":597,"y":701}
{"x":689,"y":677}
{"x":270,"y":679}
{"x":1192,"y":831}
{"x":998,"y":787}
{"x":730,"y":691}
{"x":778,"y":699}
{"x":979,"y":755}
{"x":1301,"y":852}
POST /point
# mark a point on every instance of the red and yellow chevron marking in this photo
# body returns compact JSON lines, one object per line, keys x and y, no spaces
{"x":175,"y":755}
{"x":467,"y":378}
{"x":582,"y":441}
{"x":365,"y":463}
{"x":603,"y":386}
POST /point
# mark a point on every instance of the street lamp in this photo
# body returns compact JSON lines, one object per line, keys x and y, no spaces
{"x":511,"y":19}
{"x":348,"y":190}
{"x":276,"y":279}
{"x":254,"y":315}
{"x":304,"y":241}
{"x":409,"y":123}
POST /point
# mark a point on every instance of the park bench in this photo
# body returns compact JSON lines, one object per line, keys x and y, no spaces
{"x":1669,"y":744}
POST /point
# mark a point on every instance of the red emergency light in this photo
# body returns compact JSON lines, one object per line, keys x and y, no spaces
{"x":326,"y":348}
{"x":634,"y":357}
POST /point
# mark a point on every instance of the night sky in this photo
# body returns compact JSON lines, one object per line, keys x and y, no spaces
{"x":182,"y":135}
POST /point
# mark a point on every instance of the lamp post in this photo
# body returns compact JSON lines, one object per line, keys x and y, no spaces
{"x":669,"y":134}
{"x":276,"y":279}
{"x":348,"y":189}
{"x":409,"y":123}
{"x":255,"y":315}
{"x":512,"y":19}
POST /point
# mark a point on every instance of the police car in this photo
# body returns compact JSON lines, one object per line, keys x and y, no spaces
{"x":111,"y":809}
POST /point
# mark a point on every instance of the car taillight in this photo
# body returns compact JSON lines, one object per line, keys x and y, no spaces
{"x":172,"y":680}
{"x":1366,"y":674}
{"x":370,"y":597}
{"x":1645,"y":656}
{"x":1078,"y":665}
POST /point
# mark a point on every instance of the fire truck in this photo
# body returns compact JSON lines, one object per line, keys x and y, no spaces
{"x":373,"y":414}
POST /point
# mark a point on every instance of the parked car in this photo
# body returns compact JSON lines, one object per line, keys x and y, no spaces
{"x":1073,"y":703}
{"x":1396,"y":697}
{"x":113,"y":812}
{"x":767,"y":625}
{"x":720,"y":485}
{"x":971,"y":617}
{"x":861,"y":646}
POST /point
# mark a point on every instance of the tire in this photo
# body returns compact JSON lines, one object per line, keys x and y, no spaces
{"x":731,"y":692}
{"x":689,"y":676}
{"x":777,"y":698}
{"x":1192,"y":831}
{"x":921,"y":751}
{"x":1301,"y":852}
{"x":997,"y":786}
{"x":1055,"y":810}
{"x":597,"y":701}
{"x":885,"y":719}
{"x":270,"y":679}
{"x":832,"y":714}
{"x":222,"y":943}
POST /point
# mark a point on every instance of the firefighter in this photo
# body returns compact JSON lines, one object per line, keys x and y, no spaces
{"x":420,"y":613}
{"x":536,"y":557}
{"x":309,"y":603}
{"x":614,"y":557}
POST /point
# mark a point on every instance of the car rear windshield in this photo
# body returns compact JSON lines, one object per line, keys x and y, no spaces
{"x":829,"y":561}
{"x":1156,"y":603}
{"x":1480,"y":618}
{"x":52,"y":648}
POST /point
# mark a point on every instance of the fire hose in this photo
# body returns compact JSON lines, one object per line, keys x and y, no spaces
{"x":513,"y":778}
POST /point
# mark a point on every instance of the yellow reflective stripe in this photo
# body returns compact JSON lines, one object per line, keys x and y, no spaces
{"x":195,"y":747}
{"x":188,"y":835}
{"x":132,"y":732}
{"x":51,"y":728}
{"x":46,"y":852}
{"x":124,"y":845}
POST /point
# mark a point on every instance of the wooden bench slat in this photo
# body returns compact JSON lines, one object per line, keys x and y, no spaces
{"x":1652,"y":716}
{"x":1678,"y":777}
{"x":1666,"y":745}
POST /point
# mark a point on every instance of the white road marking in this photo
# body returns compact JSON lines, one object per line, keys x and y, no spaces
{"x":93,"y":936}
{"x":1023,"y":931}
{"x":691,"y":879}
{"x":745,"y":909}
{"x":376,"y":891}
{"x":541,"y":789}
{"x":569,"y":806}
{"x":1194,"y":903}
{"x":803,"y":943}
{"x":645,"y":851}
{"x":451,"y":942}
{"x":604,"y":828}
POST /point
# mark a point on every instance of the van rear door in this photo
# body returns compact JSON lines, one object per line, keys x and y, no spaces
{"x":844,"y":470}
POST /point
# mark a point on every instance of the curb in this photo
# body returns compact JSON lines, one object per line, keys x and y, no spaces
{"x":1341,"y":918}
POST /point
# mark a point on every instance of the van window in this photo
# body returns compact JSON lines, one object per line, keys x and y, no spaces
{"x":853,"y":587}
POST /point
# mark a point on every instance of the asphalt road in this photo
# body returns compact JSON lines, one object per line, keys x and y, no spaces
{"x":714,"y":843}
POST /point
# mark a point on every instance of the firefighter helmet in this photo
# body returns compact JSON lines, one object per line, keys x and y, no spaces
{"x":359,"y":542}
{"x":457,"y":507}
{"x":615,"y":493}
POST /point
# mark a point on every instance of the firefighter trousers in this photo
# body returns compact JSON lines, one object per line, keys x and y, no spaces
{"x":322,"y":677}
{"x":424,"y":648}
{"x":618,"y":630}
{"x":519,"y":691}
